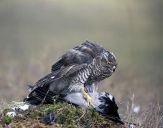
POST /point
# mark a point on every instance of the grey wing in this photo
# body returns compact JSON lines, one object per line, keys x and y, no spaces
{"x":84,"y":53}
{"x":53,"y":76}
{"x":53,"y":84}
{"x":68,"y":71}
{"x":66,"y":79}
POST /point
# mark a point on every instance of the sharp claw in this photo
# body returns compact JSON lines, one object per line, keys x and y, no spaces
{"x":88,"y":98}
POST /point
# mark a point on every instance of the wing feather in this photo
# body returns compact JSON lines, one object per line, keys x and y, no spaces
{"x":66,"y":72}
{"x":84,"y":53}
{"x":50,"y":81}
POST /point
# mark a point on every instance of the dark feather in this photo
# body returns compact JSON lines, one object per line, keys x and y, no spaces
{"x":84,"y":53}
{"x":50,"y":118}
{"x":55,"y":82}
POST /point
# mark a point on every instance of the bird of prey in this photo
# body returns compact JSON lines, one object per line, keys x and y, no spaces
{"x":80,"y":67}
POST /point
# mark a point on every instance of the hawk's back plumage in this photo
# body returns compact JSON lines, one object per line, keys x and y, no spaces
{"x":82,"y":65}
{"x":84,"y":53}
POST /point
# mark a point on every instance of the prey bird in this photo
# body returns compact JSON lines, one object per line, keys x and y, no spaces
{"x":104,"y":102}
{"x":77,"y":69}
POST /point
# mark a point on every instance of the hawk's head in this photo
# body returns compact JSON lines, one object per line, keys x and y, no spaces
{"x":108,"y":60}
{"x":107,"y":63}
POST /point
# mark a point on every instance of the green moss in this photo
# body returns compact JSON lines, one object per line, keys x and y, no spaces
{"x":7,"y":119}
{"x":68,"y":116}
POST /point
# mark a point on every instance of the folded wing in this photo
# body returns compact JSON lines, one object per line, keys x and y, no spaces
{"x":55,"y":83}
{"x":84,"y":53}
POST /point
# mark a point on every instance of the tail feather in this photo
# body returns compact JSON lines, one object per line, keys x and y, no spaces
{"x":40,"y":95}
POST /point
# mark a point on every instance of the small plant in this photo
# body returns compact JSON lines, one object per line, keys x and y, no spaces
{"x":7,"y":119}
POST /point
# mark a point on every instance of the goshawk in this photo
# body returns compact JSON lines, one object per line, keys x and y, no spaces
{"x":80,"y":67}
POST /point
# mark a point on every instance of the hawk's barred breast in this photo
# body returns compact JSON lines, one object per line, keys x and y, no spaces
{"x":82,"y":76}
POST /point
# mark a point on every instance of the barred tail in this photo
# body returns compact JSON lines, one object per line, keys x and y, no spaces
{"x":40,"y":95}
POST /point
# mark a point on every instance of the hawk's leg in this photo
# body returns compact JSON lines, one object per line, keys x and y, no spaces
{"x":87,"y":97}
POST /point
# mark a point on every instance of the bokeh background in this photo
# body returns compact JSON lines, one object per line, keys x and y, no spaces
{"x":34,"y":33}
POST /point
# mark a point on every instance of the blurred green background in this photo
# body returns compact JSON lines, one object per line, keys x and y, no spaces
{"x":34,"y":33}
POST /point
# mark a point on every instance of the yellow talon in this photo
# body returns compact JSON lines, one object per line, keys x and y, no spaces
{"x":87,"y":98}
